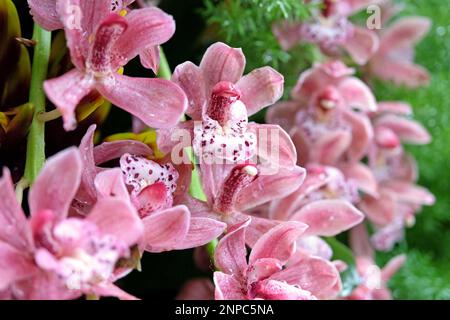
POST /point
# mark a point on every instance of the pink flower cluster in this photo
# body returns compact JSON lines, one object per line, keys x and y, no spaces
{"x":337,"y":153}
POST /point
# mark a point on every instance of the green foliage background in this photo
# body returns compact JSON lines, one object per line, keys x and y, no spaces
{"x":427,"y":272}
{"x":247,"y":23}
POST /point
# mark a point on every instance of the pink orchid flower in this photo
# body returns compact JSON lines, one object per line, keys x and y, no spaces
{"x":323,"y":202}
{"x":322,"y":120}
{"x":399,"y":198}
{"x":331,"y":29}
{"x":267,"y":274}
{"x":154,"y":189}
{"x":49,"y":14}
{"x":394,"y":60}
{"x":53,"y":256}
{"x":220,"y":101}
{"x":374,"y":280}
{"x":99,"y":47}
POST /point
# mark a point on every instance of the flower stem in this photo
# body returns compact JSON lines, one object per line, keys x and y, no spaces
{"x":36,"y":137}
{"x":195,"y":188}
{"x":164,"y":71}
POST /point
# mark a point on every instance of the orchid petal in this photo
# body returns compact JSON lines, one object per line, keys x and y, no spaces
{"x":157,"y":102}
{"x":108,"y":151}
{"x":190,"y":78}
{"x":150,"y":58}
{"x":409,"y":131}
{"x":313,"y":274}
{"x":14,"y":265}
{"x":109,"y":183}
{"x":357,"y":94}
{"x":363,"y":176}
{"x":146,"y":27}
{"x":66,"y":92}
{"x":15,"y":229}
{"x":328,"y":217}
{"x":227,"y":287}
{"x":202,"y":231}
{"x":166,"y":229}
{"x":260,"y":88}
{"x":269,"y":187}
{"x":231,"y":255}
{"x":362,"y":135}
{"x":362,"y":45}
{"x":278,"y":243}
{"x":45,"y":13}
{"x":277,"y":290}
{"x":117,"y":218}
{"x":57,"y":183}
{"x":222,"y":63}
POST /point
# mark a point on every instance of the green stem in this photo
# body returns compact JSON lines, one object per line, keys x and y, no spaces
{"x":195,"y":188}
{"x":36,"y":137}
{"x":164,"y":71}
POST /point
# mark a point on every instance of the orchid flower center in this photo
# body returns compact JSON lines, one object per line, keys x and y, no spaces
{"x":85,"y":257}
{"x":223,"y":132}
{"x":100,"y":61}
{"x":240,"y":177}
{"x":327,"y":31}
{"x":153,"y":183}
{"x":328,"y":99}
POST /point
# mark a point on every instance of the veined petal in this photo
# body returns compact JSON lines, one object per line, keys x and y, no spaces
{"x":150,"y":58}
{"x":363,"y":177}
{"x":275,"y":147}
{"x":157,"y":102}
{"x":117,"y":218}
{"x":283,"y":114}
{"x":328,"y":217}
{"x":409,"y":131}
{"x":392,"y":267}
{"x":201,"y":231}
{"x":260,"y":88}
{"x":330,"y":148}
{"x":228,"y":287}
{"x":14,"y":265}
{"x":380,"y":210}
{"x":66,"y":91}
{"x":404,"y":33}
{"x":396,"y":107}
{"x":278,"y":243}
{"x":231,"y":254}
{"x":287,"y":33}
{"x":269,"y":187}
{"x":362,"y":134}
{"x":109,"y":183}
{"x":222,"y":63}
{"x":362,"y":45}
{"x":313,"y":274}
{"x":108,"y":151}
{"x":45,"y":13}
{"x":166,"y":230}
{"x":278,"y":290}
{"x":409,"y":192}
{"x":360,"y":243}
{"x":357,"y":94}
{"x":15,"y":229}
{"x":57,"y":183}
{"x":190,"y":78}
{"x":400,"y":72}
{"x":146,"y":27}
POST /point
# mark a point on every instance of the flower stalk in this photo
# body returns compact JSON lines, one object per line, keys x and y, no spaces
{"x":36,"y":137}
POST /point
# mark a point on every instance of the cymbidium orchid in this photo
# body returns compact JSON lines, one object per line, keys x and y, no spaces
{"x":323,"y":202}
{"x":399,"y":197}
{"x":394,"y":59}
{"x":267,"y":274}
{"x":374,"y":281}
{"x":154,"y":188}
{"x":220,"y":101}
{"x":100,"y":45}
{"x":327,"y":118}
{"x":53,"y":256}
{"x":331,"y":29}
